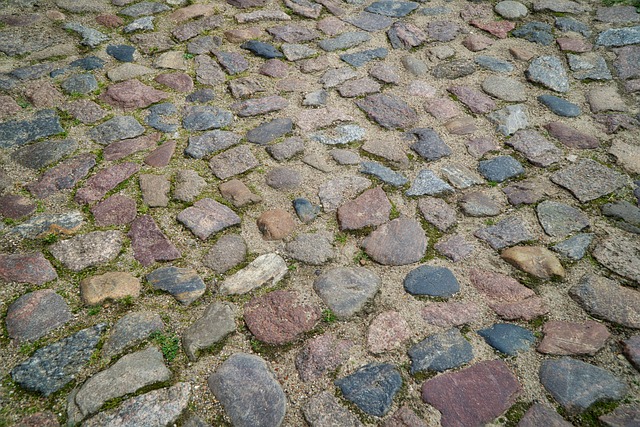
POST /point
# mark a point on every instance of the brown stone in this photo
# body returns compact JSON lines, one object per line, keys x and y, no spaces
{"x":132,"y":94}
{"x":238,"y":193}
{"x":86,"y":111}
{"x":34,"y":314}
{"x":399,"y":242}
{"x":116,"y":210}
{"x":276,"y":224}
{"x":461,"y":126}
{"x":535,"y":260}
{"x":110,"y":21}
{"x":474,"y":395}
{"x":521,"y":53}
{"x":26,"y":268}
{"x":149,"y":243}
{"x":14,"y":206}
{"x":371,"y":208}
{"x":8,"y":107}
{"x":190,"y":12}
{"x":161,"y":156}
{"x":631,"y":349}
{"x":43,"y":95}
{"x":387,"y":331}
{"x":113,"y":285}
{"x":40,"y":419}
{"x":542,"y":415}
{"x":573,"y":44}
{"x":477,"y":42}
{"x":571,"y":137}
{"x":274,"y":68}
{"x":527,"y":309}
{"x":404,"y":417}
{"x":437,"y":212}
{"x":605,"y":98}
{"x":499,"y":29}
{"x":320,"y":355}
{"x":155,"y":190}
{"x":571,"y":338}
{"x":180,"y":82}
{"x":64,"y":176}
{"x":240,"y":35}
{"x":120,"y":149}
{"x":96,"y":187}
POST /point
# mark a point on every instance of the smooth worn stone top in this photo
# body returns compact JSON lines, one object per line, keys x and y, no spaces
{"x":15,"y":133}
{"x":26,"y":268}
{"x":431,"y":281}
{"x":346,"y":290}
{"x":587,"y":179}
{"x":87,"y":250}
{"x":395,"y":9}
{"x":35,"y":314}
{"x":372,"y":387}
{"x":266,"y":269}
{"x":399,"y":242}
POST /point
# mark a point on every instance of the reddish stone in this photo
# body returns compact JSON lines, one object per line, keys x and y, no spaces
{"x":149,"y":243}
{"x":96,"y":187}
{"x":387,"y":332}
{"x":569,"y":338}
{"x":456,"y":248}
{"x":461,"y":126}
{"x":43,"y":94}
{"x":442,"y":108}
{"x":499,"y":29}
{"x":399,"y":242}
{"x":527,"y":309}
{"x":472,"y":396}
{"x":321,"y":354}
{"x":161,"y":156}
{"x":478,"y":147}
{"x":447,"y":314}
{"x":477,"y":42}
{"x":64,"y":176}
{"x":86,"y":111}
{"x":22,"y":20}
{"x":571,"y":137}
{"x":331,"y":26}
{"x":237,"y":193}
{"x":258,"y":106}
{"x":477,"y":101}
{"x":240,"y":35}
{"x":404,"y":417}
{"x":371,"y":208}
{"x":110,"y":21}
{"x":437,"y":212}
{"x":631,"y":349}
{"x":476,"y":11}
{"x":26,"y":268}
{"x":541,"y":415}
{"x":274,"y":68}
{"x":40,"y":419}
{"x":573,"y":44}
{"x":8,"y":107}
{"x":180,"y":82}
{"x":278,"y":318}
{"x":14,"y":206}
{"x":190,"y":12}
{"x":121,"y":149}
{"x":116,"y":210}
{"x":132,"y":94}
{"x":35,"y":314}
{"x":276,"y":224}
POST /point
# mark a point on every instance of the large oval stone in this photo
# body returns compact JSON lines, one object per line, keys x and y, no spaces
{"x":399,"y":242}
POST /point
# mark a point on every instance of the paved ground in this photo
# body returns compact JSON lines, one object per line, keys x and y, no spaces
{"x":333,"y":213}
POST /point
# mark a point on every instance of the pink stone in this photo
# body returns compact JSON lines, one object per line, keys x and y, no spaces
{"x":109,"y":21}
{"x":96,"y":187}
{"x":499,"y":286}
{"x":499,"y":29}
{"x":116,"y":210}
{"x":35,"y":314}
{"x":477,"y":42}
{"x":8,"y":107}
{"x":321,"y":354}
{"x":180,"y":82}
{"x":43,"y":95}
{"x":447,"y":314}
{"x":274,"y":68}
{"x":571,"y":137}
{"x":276,"y":224}
{"x":371,"y":208}
{"x":387,"y":332}
{"x":149,"y":243}
{"x":542,"y":415}
{"x":573,"y":44}
{"x":442,"y":108}
{"x":132,"y":94}
{"x":570,"y":338}
{"x":161,"y":156}
{"x":26,"y":268}
{"x":631,"y":349}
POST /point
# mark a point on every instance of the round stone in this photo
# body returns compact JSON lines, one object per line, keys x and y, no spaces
{"x":431,"y":281}
{"x":511,"y":9}
{"x":399,"y":242}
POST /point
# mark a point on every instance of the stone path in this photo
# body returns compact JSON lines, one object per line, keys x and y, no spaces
{"x":319,"y":212}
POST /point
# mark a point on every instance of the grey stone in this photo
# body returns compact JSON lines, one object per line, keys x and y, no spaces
{"x":574,"y":248}
{"x":341,"y":134}
{"x":90,"y":37}
{"x":183,"y":283}
{"x":372,"y":387}
{"x":305,"y":210}
{"x":155,"y":190}
{"x":311,"y":248}
{"x":15,"y":133}
{"x":249,"y":392}
{"x":626,"y":214}
{"x":116,"y":129}
{"x":207,"y":217}
{"x":333,"y":192}
{"x":206,"y":117}
{"x":44,"y":153}
{"x":316,"y":99}
{"x":346,"y":290}
{"x":323,"y":410}
{"x":80,"y":84}
{"x":87,"y":250}
{"x":261,"y":49}
{"x":399,"y":242}
{"x":494,"y":64}
{"x":508,"y":338}
{"x":121,"y":52}
{"x":40,"y":225}
{"x":621,"y":255}
{"x":437,"y":212}
{"x":431,"y":281}
{"x":337,"y":76}
{"x":269,"y":131}
{"x":500,"y":168}
{"x":566,"y":23}
{"x":429,"y":144}
{"x":383,"y":173}
{"x":560,"y":106}
{"x":131,"y":330}
{"x":35,"y":314}
{"x":216,"y":323}
{"x":414,"y":65}
{"x":460,"y":176}
{"x":233,"y":162}
{"x":606,"y":299}
{"x":427,"y":183}
{"x":509,"y":9}
{"x":508,"y":232}
{"x":619,"y":36}
{"x":454,"y":69}
{"x":536,"y":32}
{"x":229,"y":251}
{"x":589,"y":66}
{"x":510,"y":119}
{"x":549,"y":72}
{"x":267,"y":269}
{"x":392,"y":8}
{"x":536,"y":148}
{"x":481,"y":203}
{"x":505,"y":88}
{"x":201,"y":146}
{"x":440,"y":352}
{"x":358,"y":59}
{"x":587,"y":180}
{"x":559,"y":219}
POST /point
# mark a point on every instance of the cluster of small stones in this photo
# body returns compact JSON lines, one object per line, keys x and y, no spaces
{"x":323,"y":213}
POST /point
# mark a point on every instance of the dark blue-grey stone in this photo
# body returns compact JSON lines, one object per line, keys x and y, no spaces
{"x":201,"y":96}
{"x":619,"y":36}
{"x":627,"y":216}
{"x":144,"y":8}
{"x":19,"y":132}
{"x":305,"y":210}
{"x":88,"y":63}
{"x":44,"y":153}
{"x":249,"y":392}
{"x":80,"y":83}
{"x":431,"y":281}
{"x":52,"y":367}
{"x":157,"y":115}
{"x":261,"y":49}
{"x":574,"y":248}
{"x":560,"y":106}
{"x":116,"y":129}
{"x":571,"y":24}
{"x":372,"y":387}
{"x":383,"y":173}
{"x":500,"y":168}
{"x":183,"y":283}
{"x":209,"y":142}
{"x":7,"y":82}
{"x":358,"y":59}
{"x":370,"y":21}
{"x":206,"y":117}
{"x":395,"y":9}
{"x":32,"y":72}
{"x":121,"y":52}
{"x":536,"y":32}
{"x":508,"y":338}
{"x":267,"y":132}
{"x":439,"y":352}
{"x":577,"y":385}
{"x":427,"y":183}
{"x":344,"y":41}
{"x":429,"y":144}
{"x":494,"y":64}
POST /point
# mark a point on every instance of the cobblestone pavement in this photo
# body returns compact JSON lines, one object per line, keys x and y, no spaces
{"x":323,"y":213}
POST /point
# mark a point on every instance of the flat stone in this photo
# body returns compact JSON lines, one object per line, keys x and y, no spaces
{"x":559,"y":219}
{"x":90,"y":36}
{"x":130,"y":330}
{"x":120,"y":149}
{"x":217,"y":322}
{"x":207,"y":217}
{"x":342,"y":134}
{"x":494,"y":64}
{"x":455,"y":69}
{"x":51,"y":367}
{"x":337,"y":76}
{"x":620,"y":255}
{"x":481,"y":203}
{"x":359,"y":87}
{"x":477,"y":102}
{"x":262,"y":49}
{"x":572,"y":338}
{"x":113,"y":285}
{"x":510,"y":119}
{"x":44,"y":153}
{"x":508,"y":338}
{"x":589,"y":66}
{"x":456,"y":248}
{"x":305,"y":210}
{"x":208,"y":72}
{"x":39,"y":419}
{"x":626,"y":214}
{"x":333,"y":192}
{"x":535,"y":32}
{"x":574,"y":248}
{"x":388,"y":111}
{"x":626,"y":62}
{"x":605,"y":98}
{"x":116,"y":129}
{"x":275,"y":224}
{"x":248,"y":391}
{"x":431,"y":281}
{"x":511,"y":9}
{"x":255,"y":107}
{"x":183,"y":283}
{"x":505,"y":88}
{"x":460,"y":176}
{"x":149,"y":243}
{"x":269,"y":131}
{"x":26,"y":268}
{"x":587,"y":180}
{"x":571,"y":137}
{"x":443,"y":31}
{"x":605,"y":299}
{"x":393,"y":151}
{"x":447,"y":314}
{"x":478,"y":147}
{"x":387,"y":332}
{"x":623,"y":416}
{"x":577,"y":385}
{"x":500,"y":168}
{"x":631,"y":349}
{"x":88,"y":250}
{"x":571,"y":24}
{"x":144,"y":8}
{"x":278,"y":317}
{"x":158,"y":407}
{"x":44,"y":95}
{"x":372,"y":387}
{"x":399,"y":242}
{"x":540,"y":414}
{"x":427,"y":183}
{"x":429,"y":145}
{"x":132,"y":94}
{"x":236,"y":192}
{"x":267,"y":269}
{"x":549,"y":72}
{"x":499,"y":29}
{"x":477,"y":394}
{"x":35,"y":314}
{"x":619,"y":36}
{"x":371,"y":208}
{"x":233,"y":162}
{"x":346,"y":290}
{"x":203,"y":145}
{"x":229,"y":251}
{"x":563,"y":6}
{"x":477,"y":42}
{"x":507,"y":232}
{"x":191,"y":29}
{"x":16,"y":133}
{"x":404,"y":417}
{"x":304,"y":8}
{"x":574,"y":44}
{"x":15,"y":207}
{"x":437,"y":212}
{"x":560,"y":106}
{"x":178,"y":81}
{"x":440,"y":352}
{"x":161,"y":156}
{"x":405,"y":35}
{"x":97,"y":186}
{"x":311,"y":248}
{"x":320,"y":355}
{"x":626,"y":155}
{"x":233,"y":62}
{"x":204,"y":117}
{"x":395,"y":9}
{"x":385,"y":174}
{"x":323,"y":409}
{"x":535,"y":260}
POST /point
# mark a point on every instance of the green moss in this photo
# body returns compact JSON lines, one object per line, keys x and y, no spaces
{"x":361,"y":257}
{"x":169,"y":344}
{"x":93,"y":311}
{"x":329,"y":316}
{"x":513,"y":416}
{"x":589,"y":418}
